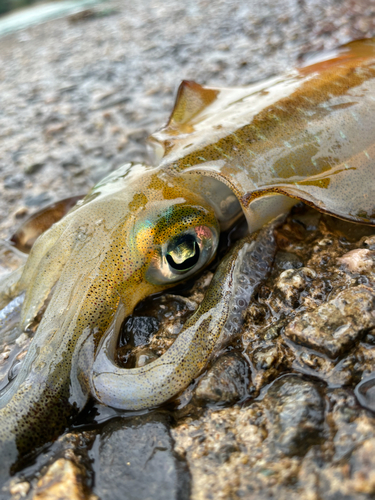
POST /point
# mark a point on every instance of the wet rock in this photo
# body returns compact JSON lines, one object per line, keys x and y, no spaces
{"x":287,"y":260}
{"x":267,"y":361}
{"x":358,"y":261}
{"x":333,"y":327}
{"x":368,"y":242}
{"x":297,"y":414}
{"x":362,"y":464}
{"x":62,"y":471}
{"x":226,"y":382}
{"x":144,"y":357}
{"x":135,"y":460}
{"x":350,"y":425}
{"x":365,"y":392}
{"x":292,"y":281}
{"x":137,"y":331}
{"x":63,"y":479}
{"x":18,"y":489}
{"x":230,"y":455}
{"x":336,"y":374}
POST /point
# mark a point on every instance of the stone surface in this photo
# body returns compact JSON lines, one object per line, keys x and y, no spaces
{"x":138,"y":330}
{"x":135,"y":460}
{"x":63,"y":479}
{"x":226,"y":382}
{"x":334,"y":326}
{"x":297,"y":414}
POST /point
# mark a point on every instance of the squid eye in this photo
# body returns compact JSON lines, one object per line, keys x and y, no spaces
{"x":183,"y":255}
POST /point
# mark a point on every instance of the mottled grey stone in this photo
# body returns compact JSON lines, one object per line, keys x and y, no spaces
{"x":138,"y":330}
{"x":296,"y":413}
{"x":135,"y":461}
{"x":226,"y":382}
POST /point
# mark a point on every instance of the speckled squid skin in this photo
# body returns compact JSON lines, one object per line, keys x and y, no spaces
{"x":308,"y":135}
{"x":94,"y":260}
{"x":218,"y":317}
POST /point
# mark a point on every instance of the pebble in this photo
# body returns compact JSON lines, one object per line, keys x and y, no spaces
{"x":226,"y":382}
{"x":296,"y":413}
{"x":137,"y":331}
{"x":292,"y":281}
{"x":135,"y":460}
{"x":333,"y":327}
{"x":358,"y":261}
{"x":63,"y":479}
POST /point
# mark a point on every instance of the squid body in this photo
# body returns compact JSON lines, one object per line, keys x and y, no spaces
{"x":308,"y":135}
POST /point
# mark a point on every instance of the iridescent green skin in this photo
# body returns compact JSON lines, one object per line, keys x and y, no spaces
{"x":309,"y":135}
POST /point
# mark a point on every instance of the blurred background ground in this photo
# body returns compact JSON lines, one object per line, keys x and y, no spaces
{"x":79,"y":95}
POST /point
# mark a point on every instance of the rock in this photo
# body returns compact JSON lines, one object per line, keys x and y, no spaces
{"x":287,"y":260}
{"x":292,"y":282}
{"x":297,"y":414}
{"x":19,"y":489}
{"x":135,"y":460}
{"x":266,"y":362}
{"x":333,"y":327}
{"x":63,"y":479}
{"x":350,"y":425}
{"x":365,"y":392}
{"x":137,"y":331}
{"x":362,"y":465}
{"x":222,"y":449}
{"x":368,"y":242}
{"x":226,"y":382}
{"x":358,"y":261}
{"x":144,"y":357}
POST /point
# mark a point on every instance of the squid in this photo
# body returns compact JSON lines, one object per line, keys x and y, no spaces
{"x":255,"y":151}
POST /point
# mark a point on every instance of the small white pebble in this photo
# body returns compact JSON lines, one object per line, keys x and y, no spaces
{"x":357,"y":261}
{"x":22,"y":339}
{"x":21,"y":489}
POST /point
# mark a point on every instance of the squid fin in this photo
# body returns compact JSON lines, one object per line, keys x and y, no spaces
{"x":191,"y":100}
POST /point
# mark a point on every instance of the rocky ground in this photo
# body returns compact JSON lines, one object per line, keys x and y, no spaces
{"x":276,"y":414}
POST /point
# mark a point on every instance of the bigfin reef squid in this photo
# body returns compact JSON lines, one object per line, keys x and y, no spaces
{"x":305,"y":136}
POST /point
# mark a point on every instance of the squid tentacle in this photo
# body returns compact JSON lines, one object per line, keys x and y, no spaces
{"x":219,"y":317}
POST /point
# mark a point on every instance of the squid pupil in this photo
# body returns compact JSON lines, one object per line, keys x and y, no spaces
{"x":188,"y":248}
